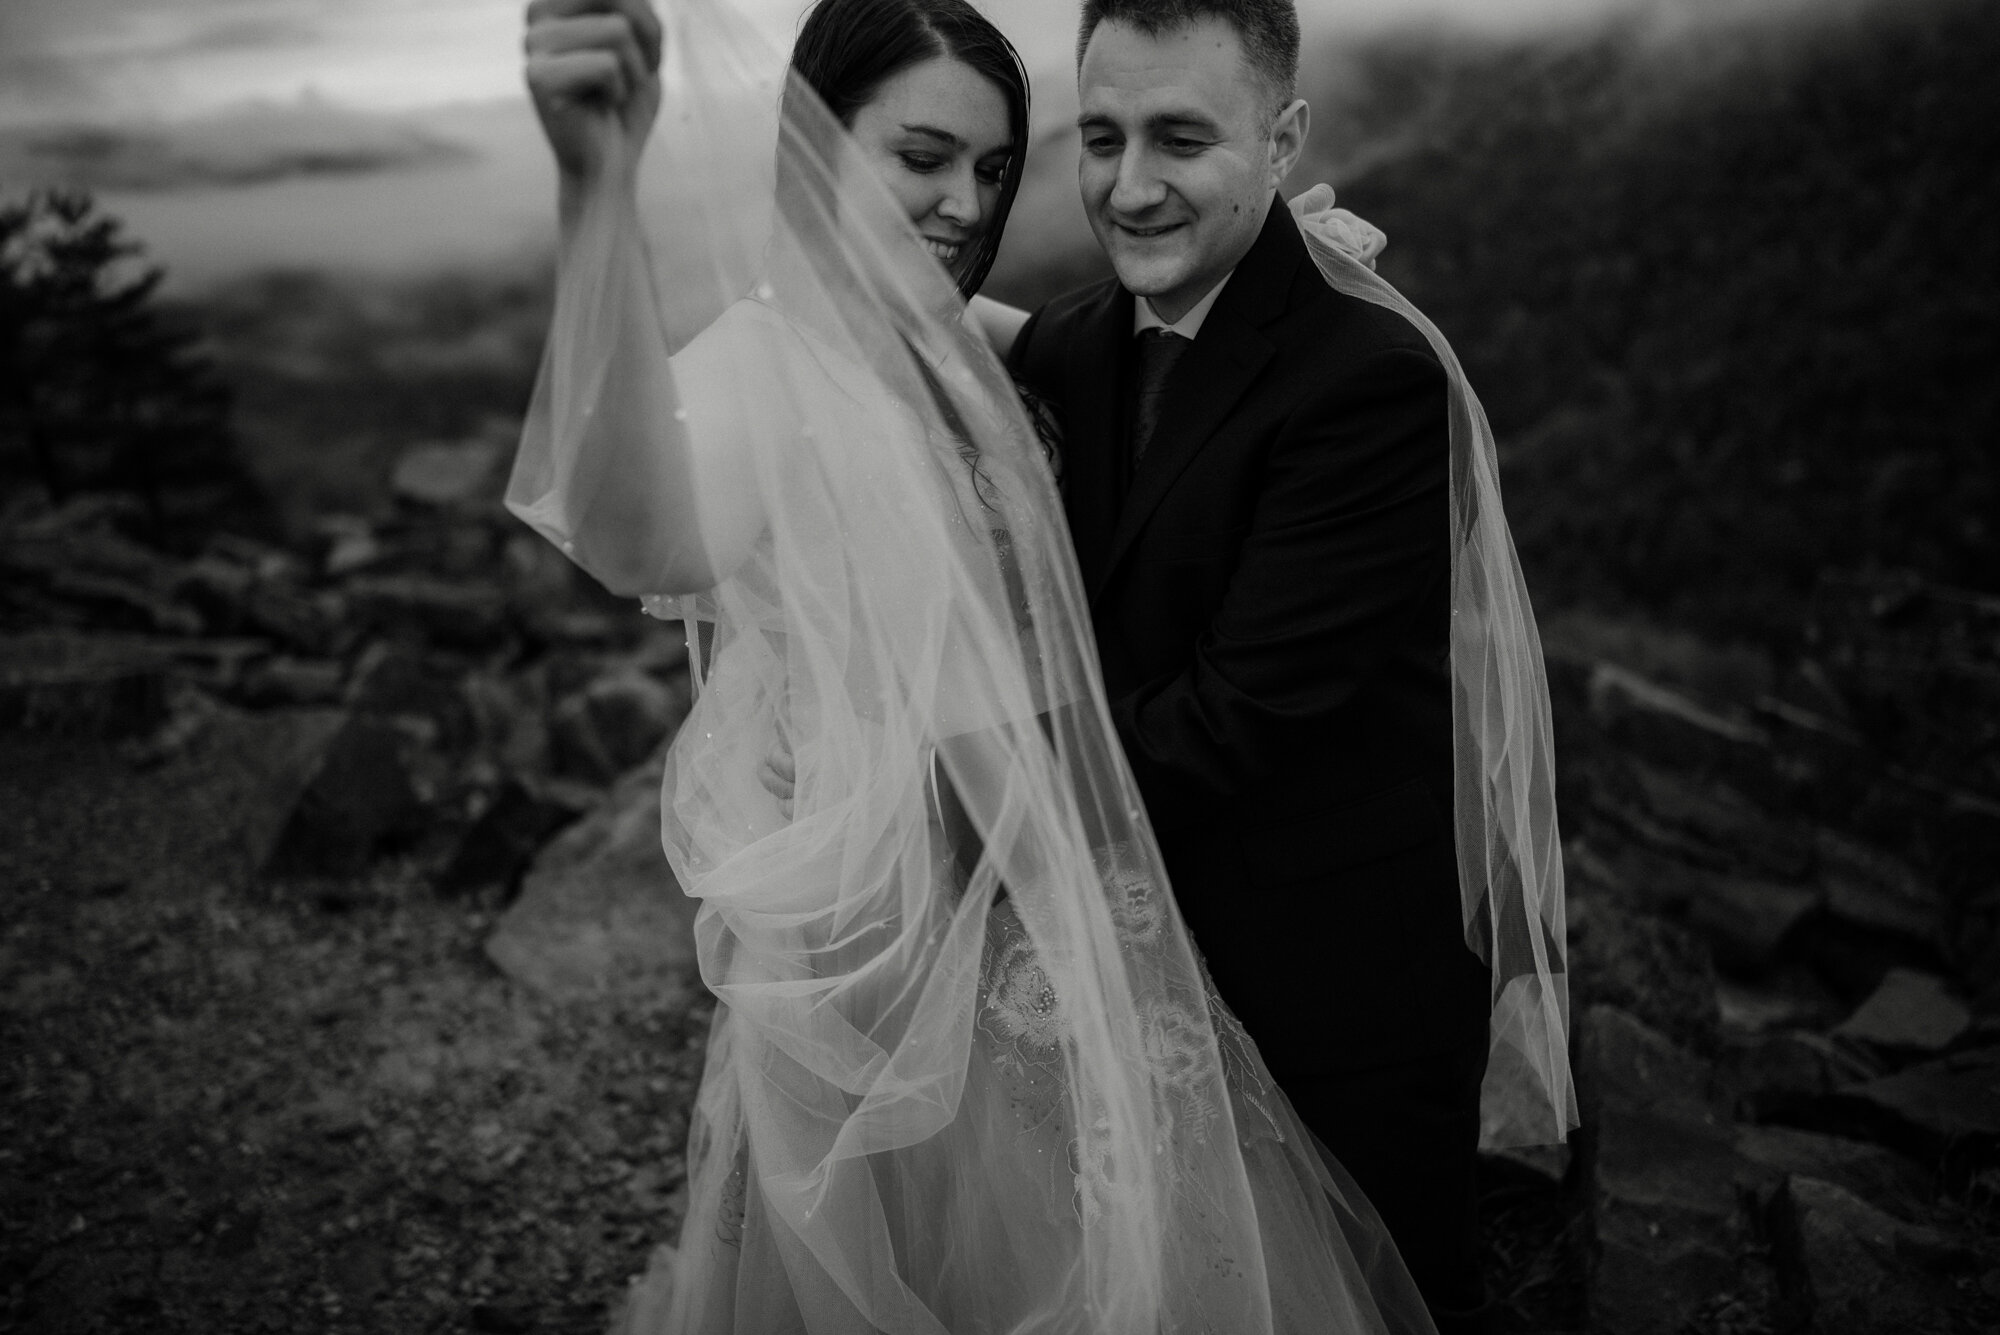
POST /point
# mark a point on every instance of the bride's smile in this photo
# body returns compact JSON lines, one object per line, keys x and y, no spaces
{"x":938,"y":134}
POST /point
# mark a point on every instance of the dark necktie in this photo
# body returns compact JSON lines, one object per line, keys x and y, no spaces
{"x":1159,"y":349}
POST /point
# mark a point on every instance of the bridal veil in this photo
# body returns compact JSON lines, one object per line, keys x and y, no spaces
{"x":966,"y":1072}
{"x":1503,"y":799}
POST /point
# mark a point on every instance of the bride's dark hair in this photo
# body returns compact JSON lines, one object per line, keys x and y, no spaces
{"x":847,"y":49}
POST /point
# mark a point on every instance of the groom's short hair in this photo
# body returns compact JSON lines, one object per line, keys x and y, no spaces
{"x":1269,"y":30}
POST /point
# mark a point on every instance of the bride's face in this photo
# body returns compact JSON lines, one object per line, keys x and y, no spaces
{"x":937,"y":135}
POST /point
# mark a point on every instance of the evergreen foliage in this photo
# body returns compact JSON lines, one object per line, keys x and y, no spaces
{"x":99,"y":391}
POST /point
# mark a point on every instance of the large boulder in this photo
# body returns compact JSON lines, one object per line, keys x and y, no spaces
{"x":1659,"y":1164}
{"x":357,"y":794}
{"x":1722,"y":821}
{"x":1943,"y":1110}
{"x":1848,"y":1268}
{"x":1669,"y":725}
{"x":1749,"y":920}
{"x":286,"y":679}
{"x":509,"y":713}
{"x":1888,"y":1181}
{"x":1910,"y":1011}
{"x":75,"y":684}
{"x":1673,"y":657}
{"x":1787,"y":997}
{"x":77,"y":555}
{"x":445,"y":474}
{"x":1646,"y":966}
{"x":397,"y":681}
{"x":209,"y":812}
{"x":457,"y":614}
{"x":1877,"y":891}
{"x":501,"y":842}
{"x":1783,"y":1076}
{"x":600,"y":913}
{"x":615,"y":721}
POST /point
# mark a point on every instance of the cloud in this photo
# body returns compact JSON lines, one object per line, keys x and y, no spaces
{"x":249,"y":145}
{"x":252,"y":34}
{"x":70,"y":59}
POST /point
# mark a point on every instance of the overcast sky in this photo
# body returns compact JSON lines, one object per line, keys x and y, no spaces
{"x":119,"y":59}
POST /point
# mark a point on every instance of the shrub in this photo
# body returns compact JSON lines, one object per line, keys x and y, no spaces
{"x":99,"y":392}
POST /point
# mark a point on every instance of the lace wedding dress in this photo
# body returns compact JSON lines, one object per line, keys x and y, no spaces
{"x":966,"y":1072}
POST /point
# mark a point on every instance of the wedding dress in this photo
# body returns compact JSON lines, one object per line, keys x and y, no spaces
{"x":966,"y":1072}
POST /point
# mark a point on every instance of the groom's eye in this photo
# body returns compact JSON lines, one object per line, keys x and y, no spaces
{"x":1100,"y":144}
{"x":1182,"y":144}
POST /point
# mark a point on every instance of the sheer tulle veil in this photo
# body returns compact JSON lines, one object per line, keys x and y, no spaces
{"x":1510,"y":858}
{"x":966,"y":1073}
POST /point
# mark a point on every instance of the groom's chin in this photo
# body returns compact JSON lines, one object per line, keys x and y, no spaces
{"x":1143,"y":275}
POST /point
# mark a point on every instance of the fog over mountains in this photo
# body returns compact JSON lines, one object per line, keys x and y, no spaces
{"x":392,"y":137}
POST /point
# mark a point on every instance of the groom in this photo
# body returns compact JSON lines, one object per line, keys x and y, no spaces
{"x":1255,"y":475}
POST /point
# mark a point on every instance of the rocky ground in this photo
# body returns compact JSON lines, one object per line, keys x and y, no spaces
{"x":325,"y":1010}
{"x":1785,"y":954}
{"x":344,"y":988}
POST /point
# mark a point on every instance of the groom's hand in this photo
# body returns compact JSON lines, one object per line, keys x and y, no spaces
{"x":593,"y":71}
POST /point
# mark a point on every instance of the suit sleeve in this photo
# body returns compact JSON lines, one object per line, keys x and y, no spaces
{"x":1344,"y":572}
{"x":1019,"y":356}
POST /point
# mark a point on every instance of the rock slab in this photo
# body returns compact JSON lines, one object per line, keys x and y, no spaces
{"x":1912,"y":1011}
{"x":600,"y":914}
{"x":1659,"y":1167}
{"x":1848,"y":1268}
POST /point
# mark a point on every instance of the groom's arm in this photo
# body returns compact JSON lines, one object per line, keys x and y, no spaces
{"x":1344,"y":574}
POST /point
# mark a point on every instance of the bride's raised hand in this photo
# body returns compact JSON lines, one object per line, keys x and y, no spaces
{"x":593,"y":72}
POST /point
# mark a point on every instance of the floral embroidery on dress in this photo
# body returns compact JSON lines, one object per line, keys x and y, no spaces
{"x":1138,"y":909}
{"x":1097,"y":1184}
{"x":1021,"y":1003}
{"x":733,"y":1206}
{"x":1175,"y":1047}
{"x":1022,"y":1011}
{"x":1240,"y":1068}
{"x":1091,"y":1169}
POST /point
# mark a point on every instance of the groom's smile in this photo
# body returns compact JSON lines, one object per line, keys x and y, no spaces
{"x":1181,"y":153}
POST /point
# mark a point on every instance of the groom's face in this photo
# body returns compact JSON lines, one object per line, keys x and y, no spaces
{"x":1181,"y":152}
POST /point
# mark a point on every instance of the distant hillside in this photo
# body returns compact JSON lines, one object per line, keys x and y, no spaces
{"x":1729,"y":296}
{"x":1727,"y":292}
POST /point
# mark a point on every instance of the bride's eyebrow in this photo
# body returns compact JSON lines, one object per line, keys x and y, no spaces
{"x":949,"y":140}
{"x":945,"y":137}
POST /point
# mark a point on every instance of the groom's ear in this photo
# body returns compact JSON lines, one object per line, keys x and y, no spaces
{"x":1288,"y":139}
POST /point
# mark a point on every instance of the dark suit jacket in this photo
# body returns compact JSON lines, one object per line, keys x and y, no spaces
{"x":1270,"y":592}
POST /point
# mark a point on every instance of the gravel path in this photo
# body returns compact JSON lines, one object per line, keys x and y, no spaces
{"x":316,"y":1107}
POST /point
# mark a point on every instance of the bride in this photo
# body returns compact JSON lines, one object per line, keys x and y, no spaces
{"x":966,"y":1072}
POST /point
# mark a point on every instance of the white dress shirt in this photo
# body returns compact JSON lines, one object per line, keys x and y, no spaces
{"x":1144,"y":317}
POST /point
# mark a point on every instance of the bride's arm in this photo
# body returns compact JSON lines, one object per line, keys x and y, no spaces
{"x":609,"y":469}
{"x":997,"y":320}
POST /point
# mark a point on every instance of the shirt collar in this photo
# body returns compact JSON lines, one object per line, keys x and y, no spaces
{"x":1188,"y":325}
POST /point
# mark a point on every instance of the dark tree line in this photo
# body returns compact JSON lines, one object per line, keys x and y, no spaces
{"x":99,"y":390}
{"x":1729,"y":298}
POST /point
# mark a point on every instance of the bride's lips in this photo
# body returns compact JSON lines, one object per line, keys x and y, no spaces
{"x":945,"y":251}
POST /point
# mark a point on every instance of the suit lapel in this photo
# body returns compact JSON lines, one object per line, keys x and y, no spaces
{"x":1095,"y":427}
{"x":1209,"y":380}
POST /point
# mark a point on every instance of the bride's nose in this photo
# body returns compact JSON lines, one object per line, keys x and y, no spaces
{"x":959,"y":205}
